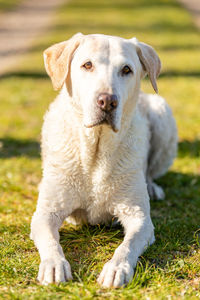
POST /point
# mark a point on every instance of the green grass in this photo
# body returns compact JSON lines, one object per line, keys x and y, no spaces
{"x":170,"y":268}
{"x":8,"y":4}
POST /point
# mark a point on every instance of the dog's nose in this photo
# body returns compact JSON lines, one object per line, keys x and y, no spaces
{"x":107,"y":102}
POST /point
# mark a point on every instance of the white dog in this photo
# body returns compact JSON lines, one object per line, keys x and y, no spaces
{"x":103,"y":144}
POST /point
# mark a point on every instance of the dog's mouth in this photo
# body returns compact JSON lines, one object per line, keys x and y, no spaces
{"x":106,"y":119}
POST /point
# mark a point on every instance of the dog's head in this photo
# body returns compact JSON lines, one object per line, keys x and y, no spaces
{"x":102,"y":74}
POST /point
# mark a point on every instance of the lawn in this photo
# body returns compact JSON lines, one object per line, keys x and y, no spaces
{"x":170,"y":268}
{"x":8,"y":4}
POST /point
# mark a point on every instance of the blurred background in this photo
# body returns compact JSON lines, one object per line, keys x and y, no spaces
{"x":27,"y":28}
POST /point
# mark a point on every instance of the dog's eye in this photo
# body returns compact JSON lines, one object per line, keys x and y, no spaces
{"x":126,"y":70}
{"x":87,"y":65}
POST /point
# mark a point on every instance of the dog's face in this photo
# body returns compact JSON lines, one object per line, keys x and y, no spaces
{"x":102,"y":74}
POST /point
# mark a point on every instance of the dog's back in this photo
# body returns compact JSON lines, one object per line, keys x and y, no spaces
{"x":163,"y":139}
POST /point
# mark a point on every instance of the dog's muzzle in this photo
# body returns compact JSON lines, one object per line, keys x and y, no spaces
{"x":106,"y":111}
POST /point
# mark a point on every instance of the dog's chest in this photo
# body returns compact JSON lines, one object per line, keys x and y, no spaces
{"x":88,"y":171}
{"x":101,"y":179}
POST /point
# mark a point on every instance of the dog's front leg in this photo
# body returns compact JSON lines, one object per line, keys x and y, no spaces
{"x":44,"y":231}
{"x":139,"y":233}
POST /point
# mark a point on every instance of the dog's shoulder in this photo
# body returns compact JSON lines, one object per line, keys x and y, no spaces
{"x":57,"y":133}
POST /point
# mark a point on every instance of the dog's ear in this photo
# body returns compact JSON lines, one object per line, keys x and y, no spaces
{"x":57,"y":60}
{"x":150,"y":61}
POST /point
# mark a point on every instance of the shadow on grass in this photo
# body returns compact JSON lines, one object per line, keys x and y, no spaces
{"x":173,"y":73}
{"x":175,"y":220}
{"x":190,"y":148}
{"x":34,"y":75}
{"x":11,"y":147}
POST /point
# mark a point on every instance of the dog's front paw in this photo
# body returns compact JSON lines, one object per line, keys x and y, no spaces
{"x":115,"y":274}
{"x":54,"y":270}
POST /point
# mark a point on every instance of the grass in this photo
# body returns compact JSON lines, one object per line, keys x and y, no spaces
{"x":170,"y":268}
{"x":8,"y":4}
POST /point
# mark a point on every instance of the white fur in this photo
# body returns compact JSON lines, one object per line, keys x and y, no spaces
{"x":93,"y":174}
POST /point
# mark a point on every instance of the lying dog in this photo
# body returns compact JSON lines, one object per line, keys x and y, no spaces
{"x":103,"y":144}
